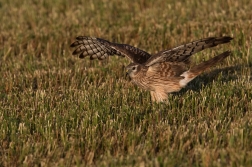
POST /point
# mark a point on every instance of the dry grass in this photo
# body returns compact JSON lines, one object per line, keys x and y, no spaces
{"x":58,"y":110}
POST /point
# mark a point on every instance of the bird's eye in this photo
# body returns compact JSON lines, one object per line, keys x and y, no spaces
{"x":133,"y":68}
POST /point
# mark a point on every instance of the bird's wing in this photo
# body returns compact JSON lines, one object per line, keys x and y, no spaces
{"x":101,"y":49}
{"x":182,"y":53}
{"x":167,"y":69}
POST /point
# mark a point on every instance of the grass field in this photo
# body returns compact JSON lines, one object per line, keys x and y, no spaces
{"x":58,"y":110}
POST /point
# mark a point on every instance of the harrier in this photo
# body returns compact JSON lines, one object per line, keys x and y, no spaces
{"x":162,"y":73}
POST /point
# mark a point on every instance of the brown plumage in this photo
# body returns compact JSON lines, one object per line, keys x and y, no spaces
{"x":162,"y":73}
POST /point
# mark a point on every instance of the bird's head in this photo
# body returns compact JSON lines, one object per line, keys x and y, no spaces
{"x":132,"y":69}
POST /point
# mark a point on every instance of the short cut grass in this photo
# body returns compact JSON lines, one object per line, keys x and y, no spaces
{"x":58,"y":110}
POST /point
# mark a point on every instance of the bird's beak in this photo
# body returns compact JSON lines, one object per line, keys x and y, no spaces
{"x":127,"y":75}
{"x":127,"y":72}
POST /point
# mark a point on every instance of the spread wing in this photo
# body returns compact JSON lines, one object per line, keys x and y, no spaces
{"x":101,"y":49}
{"x":182,"y":53}
{"x":167,"y":69}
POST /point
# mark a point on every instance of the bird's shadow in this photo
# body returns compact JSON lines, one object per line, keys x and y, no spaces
{"x":228,"y":74}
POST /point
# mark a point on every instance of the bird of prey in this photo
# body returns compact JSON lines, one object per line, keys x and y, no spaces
{"x":162,"y":73}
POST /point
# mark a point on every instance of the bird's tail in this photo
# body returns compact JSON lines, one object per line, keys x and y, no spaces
{"x":198,"y":69}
